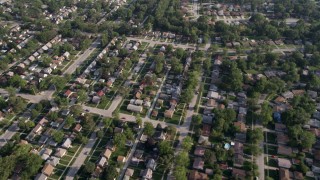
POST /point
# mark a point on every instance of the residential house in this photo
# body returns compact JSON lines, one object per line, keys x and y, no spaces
{"x":169,"y":113}
{"x":67,"y":143}
{"x":77,"y":128}
{"x":159,"y":135}
{"x":151,"y":164}
{"x":68,"y":93}
{"x":238,"y":173}
{"x":41,"y":176}
{"x":96,"y":99}
{"x":37,"y":129}
{"x":284,"y":150}
{"x":102,"y":162}
{"x":207,"y":119}
{"x":146,"y":174}
{"x":284,"y":163}
{"x":60,"y":152}
{"x":54,"y":161}
{"x":129,"y":172}
{"x":282,"y":138}
{"x":47,"y":169}
{"x":134,"y":108}
{"x":121,"y":159}
{"x":284,"y":174}
{"x":196,"y":175}
{"x":107,"y":154}
{"x":199,"y":151}
{"x":198,"y":164}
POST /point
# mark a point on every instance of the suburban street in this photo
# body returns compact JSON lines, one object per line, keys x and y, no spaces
{"x":74,"y":168}
{"x":129,"y":157}
{"x":9,"y":133}
{"x":72,"y":68}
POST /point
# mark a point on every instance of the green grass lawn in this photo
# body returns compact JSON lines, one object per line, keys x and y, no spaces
{"x":272,"y":150}
{"x":271,"y":137}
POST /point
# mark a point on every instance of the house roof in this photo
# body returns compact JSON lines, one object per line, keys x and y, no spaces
{"x":198,"y":164}
{"x":168,"y":113}
{"x":60,"y":152}
{"x":199,"y":151}
{"x":238,"y":173}
{"x":298,"y":175}
{"x":284,"y":174}
{"x":284,"y":163}
{"x":196,"y":175}
{"x":107,"y":153}
{"x":284,"y":150}
{"x":240,"y":125}
{"x":77,"y":128}
{"x":238,"y":148}
{"x":121,"y":159}
{"x":41,"y":176}
{"x":47,"y":169}
{"x":282,"y":138}
{"x":129,"y":172}
{"x":100,"y":93}
{"x":207,"y":119}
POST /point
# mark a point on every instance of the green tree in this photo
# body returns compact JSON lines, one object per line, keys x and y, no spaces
{"x":307,"y":139}
{"x":266,"y":114}
{"x":89,"y":167}
{"x":180,"y":173}
{"x":120,"y":140}
{"x":196,"y":119}
{"x":58,"y":136}
{"x":255,"y":136}
{"x":165,"y":148}
{"x":182,"y":159}
{"x":139,"y":120}
{"x":148,"y":129}
{"x":187,"y":143}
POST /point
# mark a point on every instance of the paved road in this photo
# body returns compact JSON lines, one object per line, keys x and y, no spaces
{"x":260,"y":158}
{"x":9,"y":133}
{"x":157,"y":96}
{"x":74,"y":168}
{"x":183,"y":46}
{"x":129,"y":157}
{"x":82,"y":57}
{"x":44,"y":95}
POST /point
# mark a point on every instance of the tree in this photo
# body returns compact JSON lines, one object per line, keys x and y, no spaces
{"x":89,"y":167}
{"x":139,"y":120}
{"x":165,"y":148}
{"x":119,"y":140}
{"x":82,"y":96}
{"x":81,"y":139}
{"x":76,"y":110}
{"x":182,"y":159}
{"x":266,"y":114}
{"x":180,"y":173}
{"x":31,"y":163}
{"x":34,"y":113}
{"x":187,"y":143}
{"x":255,"y":136}
{"x":148,"y":129}
{"x":100,"y":134}
{"x":171,"y":130}
{"x":166,"y":160}
{"x":129,"y":134}
{"x":69,"y":121}
{"x":307,"y":139}
{"x":58,"y":136}
{"x":17,"y":81}
{"x":196,"y":119}
{"x":110,"y":173}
